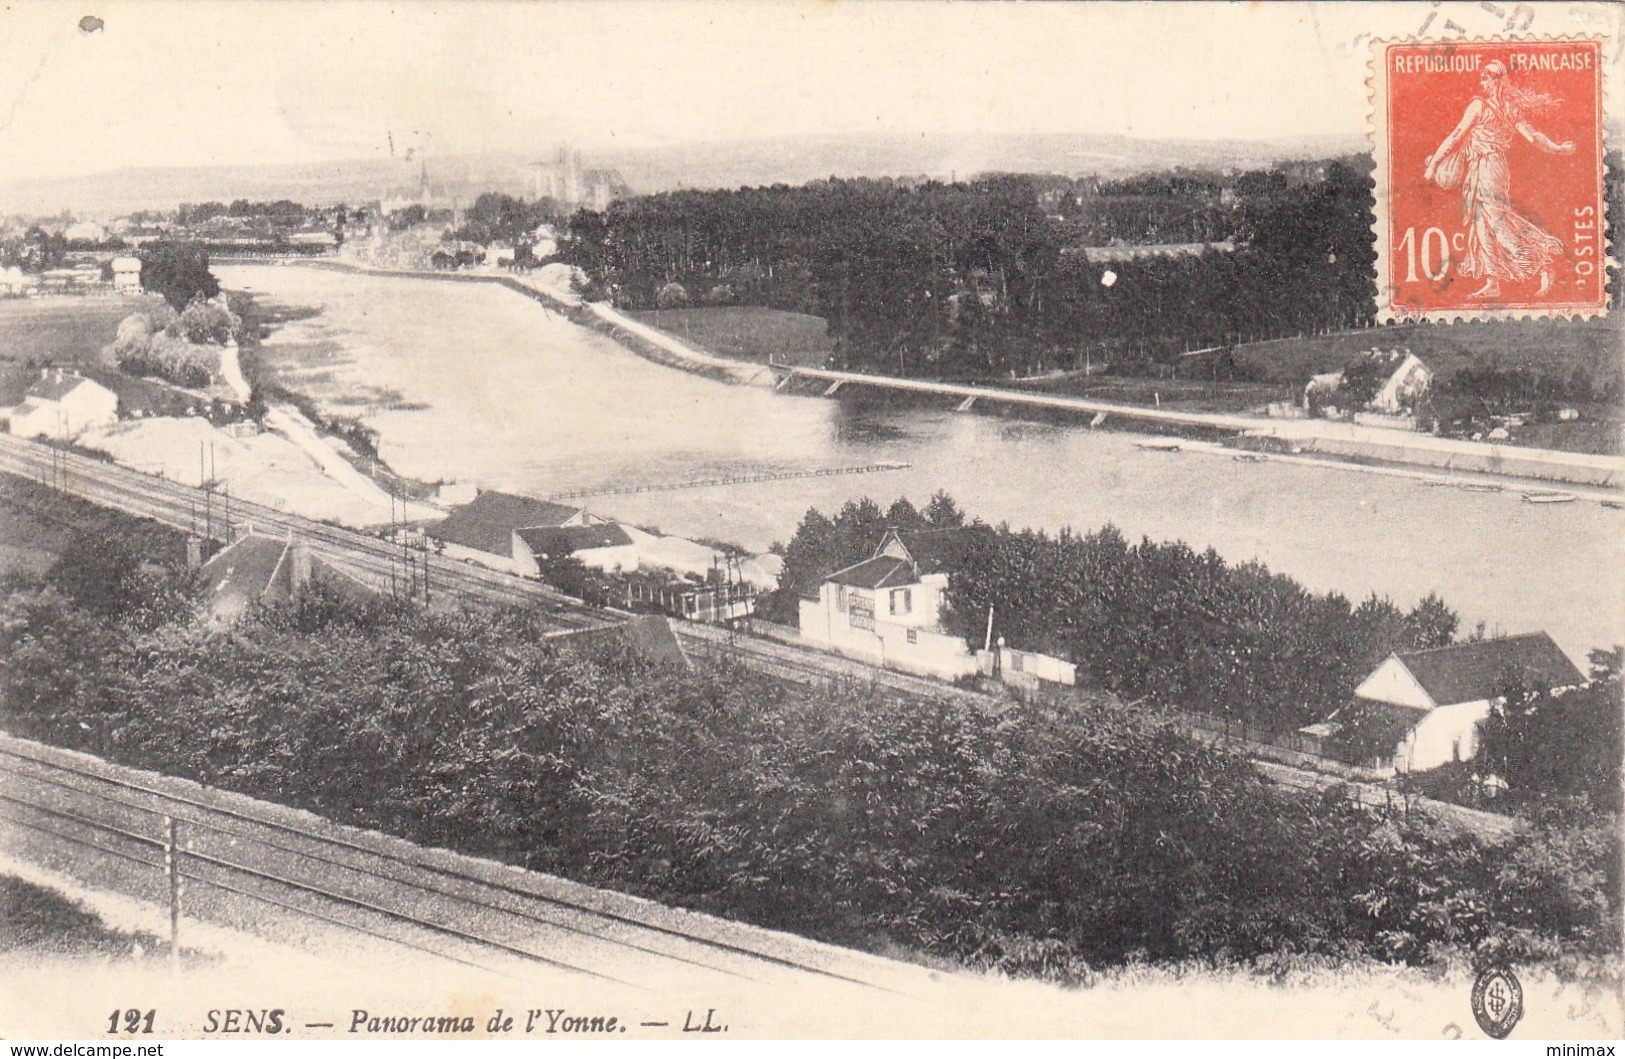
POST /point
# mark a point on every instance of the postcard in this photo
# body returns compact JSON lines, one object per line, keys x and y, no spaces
{"x":706,"y":521}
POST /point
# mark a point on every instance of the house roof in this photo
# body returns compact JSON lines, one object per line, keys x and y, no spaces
{"x":487,"y":523}
{"x":1471,"y":671}
{"x":883,"y":571}
{"x":57,"y":385}
{"x":566,"y":540}
{"x":256,"y":568}
{"x":936,"y":551}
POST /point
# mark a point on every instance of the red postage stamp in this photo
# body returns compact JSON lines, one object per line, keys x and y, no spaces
{"x":1489,"y":179}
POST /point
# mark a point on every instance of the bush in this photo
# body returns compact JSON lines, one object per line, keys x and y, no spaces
{"x":1048,"y":840}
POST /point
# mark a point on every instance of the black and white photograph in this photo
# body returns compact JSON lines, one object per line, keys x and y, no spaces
{"x":544,"y":520}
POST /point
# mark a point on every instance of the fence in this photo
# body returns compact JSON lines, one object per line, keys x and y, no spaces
{"x":1292,"y":748}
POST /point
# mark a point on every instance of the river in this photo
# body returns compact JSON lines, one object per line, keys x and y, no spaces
{"x":474,"y":382}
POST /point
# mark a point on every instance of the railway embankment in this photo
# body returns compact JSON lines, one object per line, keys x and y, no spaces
{"x":253,"y":865}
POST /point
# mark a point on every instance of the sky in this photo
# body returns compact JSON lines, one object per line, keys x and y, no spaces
{"x":230,"y":82}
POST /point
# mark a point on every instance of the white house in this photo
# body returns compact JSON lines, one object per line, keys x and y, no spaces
{"x":62,"y":405}
{"x":603,"y":547}
{"x":1408,"y":382}
{"x":1436,"y":698}
{"x":887,"y":609}
{"x":127,"y":275}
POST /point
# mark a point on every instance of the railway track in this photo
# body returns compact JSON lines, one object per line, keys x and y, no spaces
{"x":181,"y":506}
{"x":176,"y":505}
{"x":194,"y":510}
{"x":248,"y":864}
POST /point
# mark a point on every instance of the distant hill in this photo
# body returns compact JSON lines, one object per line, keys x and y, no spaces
{"x":697,"y":165}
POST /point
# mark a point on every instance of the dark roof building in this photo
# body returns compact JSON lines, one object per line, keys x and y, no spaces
{"x":487,"y":524}
{"x":883,"y":571}
{"x":1468,"y":672}
{"x":556,"y":542}
{"x":1428,"y":704}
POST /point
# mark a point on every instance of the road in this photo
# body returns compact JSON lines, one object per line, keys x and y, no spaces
{"x":1334,"y":438}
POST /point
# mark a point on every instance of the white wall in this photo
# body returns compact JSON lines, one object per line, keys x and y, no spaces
{"x":1391,"y":682}
{"x":825,"y":623}
{"x":1449,"y":733}
{"x":495,"y":562}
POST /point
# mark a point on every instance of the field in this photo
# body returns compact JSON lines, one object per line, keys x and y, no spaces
{"x":748,"y":333}
{"x":1540,"y":345}
{"x":69,"y":333}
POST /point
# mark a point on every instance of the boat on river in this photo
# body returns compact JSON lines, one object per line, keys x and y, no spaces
{"x":1549,"y":498}
{"x":1159,"y":445}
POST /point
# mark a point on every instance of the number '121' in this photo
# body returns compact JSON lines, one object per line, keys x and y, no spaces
{"x":134,"y":1021}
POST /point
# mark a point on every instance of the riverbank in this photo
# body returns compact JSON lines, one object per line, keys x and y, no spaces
{"x":1357,"y":445}
{"x":476,"y":386}
{"x":600,"y":317}
{"x":1351,"y":441}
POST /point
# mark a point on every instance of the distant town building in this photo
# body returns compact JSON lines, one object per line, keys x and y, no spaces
{"x":85,"y":232}
{"x":14,"y":282}
{"x":566,"y":181}
{"x":62,"y":405}
{"x":127,"y":275}
{"x":422,"y":197}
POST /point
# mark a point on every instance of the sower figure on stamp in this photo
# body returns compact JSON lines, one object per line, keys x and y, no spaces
{"x":1502,"y":244}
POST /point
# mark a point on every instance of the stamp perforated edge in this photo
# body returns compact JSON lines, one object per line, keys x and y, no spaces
{"x":1376,"y":84}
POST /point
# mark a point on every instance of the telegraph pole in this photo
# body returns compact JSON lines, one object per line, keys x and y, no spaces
{"x":172,"y":874}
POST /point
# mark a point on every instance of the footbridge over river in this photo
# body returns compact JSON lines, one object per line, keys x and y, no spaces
{"x":968,"y":396}
{"x":1339,"y":440}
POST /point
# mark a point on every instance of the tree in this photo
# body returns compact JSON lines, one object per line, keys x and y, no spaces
{"x":179,"y":271}
{"x":942,"y":512}
{"x":105,"y":574}
{"x":1432,"y":623}
{"x":1553,"y":745}
{"x":206,"y":322}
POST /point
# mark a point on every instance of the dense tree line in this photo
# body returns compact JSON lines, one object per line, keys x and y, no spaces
{"x":281,"y":211}
{"x":36,"y":250}
{"x":989,"y":276}
{"x":1147,"y":620}
{"x":971,"y":278}
{"x":1550,"y":746}
{"x":495,"y":217}
{"x":1045,"y":841}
